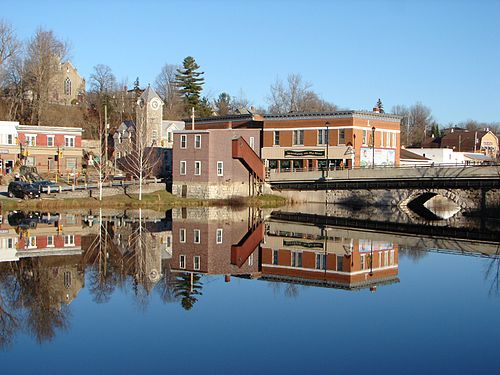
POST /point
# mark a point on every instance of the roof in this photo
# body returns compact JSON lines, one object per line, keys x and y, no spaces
{"x":301,"y":116}
{"x":479,"y":157}
{"x":149,"y":94}
{"x":406,"y":154}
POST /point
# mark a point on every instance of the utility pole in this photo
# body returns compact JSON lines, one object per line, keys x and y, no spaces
{"x":106,"y":140}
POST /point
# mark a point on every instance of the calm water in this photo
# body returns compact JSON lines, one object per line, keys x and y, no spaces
{"x":215,"y":290}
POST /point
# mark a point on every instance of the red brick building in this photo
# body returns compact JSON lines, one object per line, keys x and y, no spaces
{"x":51,"y":149}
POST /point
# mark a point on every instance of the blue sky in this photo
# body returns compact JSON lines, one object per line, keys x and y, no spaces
{"x":444,"y":54}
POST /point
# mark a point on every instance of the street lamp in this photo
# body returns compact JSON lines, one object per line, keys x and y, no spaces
{"x":327,"y":147}
{"x":373,"y":147}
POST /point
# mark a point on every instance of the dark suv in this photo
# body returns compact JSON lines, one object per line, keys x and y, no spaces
{"x":22,"y":190}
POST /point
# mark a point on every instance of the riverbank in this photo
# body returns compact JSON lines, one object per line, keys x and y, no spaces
{"x":155,"y":200}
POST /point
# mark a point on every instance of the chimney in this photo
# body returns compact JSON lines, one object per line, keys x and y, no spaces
{"x":376,"y":110}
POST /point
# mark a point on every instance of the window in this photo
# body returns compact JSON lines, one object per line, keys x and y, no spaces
{"x":197,"y":168}
{"x":298,"y":137}
{"x":220,"y":168}
{"x":296,"y":259}
{"x":363,"y":261}
{"x":393,"y":140}
{"x":31,"y":242}
{"x":69,"y":240}
{"x":50,"y":141}
{"x":50,"y":241}
{"x":197,"y":141}
{"x":382,"y":138}
{"x":386,"y":258}
{"x":365,"y":137}
{"x":69,"y":141}
{"x":276,"y":140}
{"x":250,"y":260}
{"x":120,"y":140}
{"x":218,"y":235}
{"x":341,"y":136}
{"x":275,"y":257}
{"x":10,"y":243}
{"x":30,"y":161}
{"x":10,"y":139}
{"x":322,"y":137}
{"x":154,"y":136}
{"x":183,"y":141}
{"x":182,"y":169}
{"x":321,"y":261}
{"x":169,"y":136}
{"x":387,"y":139}
{"x":30,"y":139}
{"x":340,"y":260}
{"x":391,"y":259}
{"x":196,"y":262}
{"x":67,"y":86}
{"x":67,"y":279}
{"x":196,"y":236}
{"x":71,"y":164}
{"x":118,"y":154}
{"x":252,"y":143}
{"x":182,"y":235}
{"x":182,"y":261}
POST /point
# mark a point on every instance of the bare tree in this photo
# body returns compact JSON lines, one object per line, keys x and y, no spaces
{"x":166,"y":87}
{"x":44,"y":55}
{"x":295,"y":95}
{"x":144,"y":156}
{"x":9,"y":44}
{"x":416,"y":123}
{"x":14,"y":85}
{"x":102,"y":79}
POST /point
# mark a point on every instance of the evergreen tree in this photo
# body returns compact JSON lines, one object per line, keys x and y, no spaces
{"x":223,"y":104}
{"x":190,"y":82}
{"x":187,"y":286}
{"x":380,"y":106}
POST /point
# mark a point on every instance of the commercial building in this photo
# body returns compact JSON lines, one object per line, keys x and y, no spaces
{"x":50,"y":149}
{"x":298,"y":141}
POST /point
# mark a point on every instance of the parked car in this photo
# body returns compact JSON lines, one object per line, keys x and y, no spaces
{"x":22,"y":190}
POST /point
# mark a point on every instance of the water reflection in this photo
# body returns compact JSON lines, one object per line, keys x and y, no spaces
{"x":47,"y":258}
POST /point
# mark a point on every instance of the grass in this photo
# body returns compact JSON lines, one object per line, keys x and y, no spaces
{"x":155,"y":200}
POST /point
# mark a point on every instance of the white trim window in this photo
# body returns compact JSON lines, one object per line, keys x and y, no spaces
{"x":382,"y":133}
{"x":341,"y":137}
{"x":184,"y":141}
{"x":218,"y":236}
{"x":182,"y":167}
{"x":322,"y":137}
{"x":196,"y":262}
{"x":394,"y":140}
{"x":252,"y":143}
{"x":276,"y":138}
{"x":10,"y":139}
{"x":182,"y":235}
{"x":50,"y":241}
{"x":196,"y":236}
{"x":197,"y":141}
{"x":69,"y":141}
{"x":296,"y":259}
{"x":50,"y":141}
{"x":31,"y":242}
{"x":220,"y":168}
{"x":364,"y":141}
{"x":388,"y":139}
{"x":69,"y":240}
{"x":197,"y":168}
{"x":182,"y":261}
{"x":30,"y":139}
{"x":298,"y":137}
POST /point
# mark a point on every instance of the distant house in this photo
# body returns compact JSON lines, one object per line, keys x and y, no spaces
{"x":462,"y":140}
{"x":409,"y":158}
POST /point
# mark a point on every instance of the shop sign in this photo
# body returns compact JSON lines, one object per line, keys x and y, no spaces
{"x":309,"y":245}
{"x":302,"y":153}
{"x":3,"y":151}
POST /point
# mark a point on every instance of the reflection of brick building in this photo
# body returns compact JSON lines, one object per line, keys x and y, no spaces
{"x":215,"y":241}
{"x":333,"y":257}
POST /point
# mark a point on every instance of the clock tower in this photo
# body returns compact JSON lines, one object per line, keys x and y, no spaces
{"x":149,"y":113}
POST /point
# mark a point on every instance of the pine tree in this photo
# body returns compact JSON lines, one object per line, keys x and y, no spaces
{"x":190,"y":82}
{"x":223,"y":104}
{"x":380,"y":106}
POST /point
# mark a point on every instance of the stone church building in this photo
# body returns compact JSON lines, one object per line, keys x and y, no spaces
{"x":68,"y":87}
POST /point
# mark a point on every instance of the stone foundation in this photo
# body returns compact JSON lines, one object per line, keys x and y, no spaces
{"x":211,"y":191}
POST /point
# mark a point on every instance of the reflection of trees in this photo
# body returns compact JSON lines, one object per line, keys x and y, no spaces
{"x":493,"y":273}
{"x":289,"y":290}
{"x":165,"y":287}
{"x":9,"y":322}
{"x":186,"y":287}
{"x":412,"y":253}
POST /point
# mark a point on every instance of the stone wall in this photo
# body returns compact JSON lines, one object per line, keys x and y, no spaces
{"x":207,"y":190}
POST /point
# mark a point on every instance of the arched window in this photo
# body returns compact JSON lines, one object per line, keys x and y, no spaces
{"x":67,"y":86}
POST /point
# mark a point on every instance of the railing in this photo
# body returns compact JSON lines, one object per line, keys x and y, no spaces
{"x":95,"y":185}
{"x":243,"y":152}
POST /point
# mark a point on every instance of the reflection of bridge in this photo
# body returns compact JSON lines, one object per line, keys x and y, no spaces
{"x":418,"y":236}
{"x":469,"y":187}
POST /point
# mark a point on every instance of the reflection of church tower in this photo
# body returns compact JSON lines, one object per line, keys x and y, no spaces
{"x":149,"y":113}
